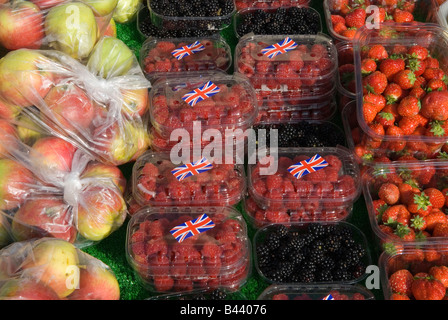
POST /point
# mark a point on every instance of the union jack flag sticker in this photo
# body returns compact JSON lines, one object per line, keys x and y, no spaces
{"x":206,"y":91}
{"x":189,"y":50}
{"x":191,"y":169}
{"x":279,"y":48}
{"x":328,"y":297}
{"x":305,"y":167}
{"x":192,"y":228}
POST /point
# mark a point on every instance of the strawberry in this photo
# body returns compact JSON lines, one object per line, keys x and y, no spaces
{"x":338,"y":5}
{"x":389,"y":193}
{"x":377,"y":99}
{"x":349,"y":33}
{"x":368,"y":66}
{"x":339,"y":27}
{"x":408,"y":124}
{"x":391,"y":66}
{"x":405,"y":79}
{"x":377,"y":52}
{"x":418,"y":223}
{"x":431,"y":62}
{"x":433,"y":73}
{"x":440,"y":230}
{"x":409,"y":106}
{"x":419,"y":52}
{"x":427,"y":288}
{"x":398,"y":296}
{"x":401,"y":16}
{"x":417,"y":66}
{"x":417,"y":92}
{"x":369,"y":112}
{"x":336,"y":18}
{"x":436,"y":197}
{"x":436,"y":85}
{"x":379,"y":206}
{"x":377,"y":129}
{"x":375,"y":83}
{"x":385,"y":118}
{"x":440,"y":273}
{"x":435,"y":105}
{"x":404,"y":232}
{"x":401,"y":282}
{"x":393,"y":93}
{"x":356,"y":18}
{"x":407,"y":191}
{"x":396,"y":214}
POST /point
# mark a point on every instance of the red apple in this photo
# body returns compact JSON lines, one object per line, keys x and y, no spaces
{"x":8,"y":111}
{"x":16,"y":184}
{"x":98,"y":170}
{"x":23,"y":83}
{"x":101,"y":211}
{"x":8,"y":137}
{"x":26,"y":289}
{"x":135,"y":102}
{"x":44,"y":217}
{"x":71,"y":107}
{"x":96,"y":282}
{"x":46,"y":4}
{"x":21,"y":25}
{"x":52,"y":156}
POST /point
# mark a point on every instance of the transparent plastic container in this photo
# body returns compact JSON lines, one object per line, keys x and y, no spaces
{"x":242,"y":21}
{"x":154,"y":184}
{"x":157,"y":58}
{"x":258,"y":217}
{"x":295,"y":230}
{"x":430,"y":36}
{"x":316,"y":292}
{"x":335,"y":187}
{"x":302,"y":133}
{"x":413,"y":217}
{"x":423,"y":12}
{"x":426,"y":260}
{"x":216,"y":22}
{"x":217,"y":257}
{"x":202,"y":294}
{"x":233,"y":107}
{"x":346,"y":83}
{"x":313,"y":62}
{"x":242,"y":4}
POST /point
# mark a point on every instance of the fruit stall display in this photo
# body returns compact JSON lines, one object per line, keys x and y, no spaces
{"x":99,"y":189}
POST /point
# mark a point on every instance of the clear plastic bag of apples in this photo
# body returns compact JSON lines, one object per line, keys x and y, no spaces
{"x":51,"y":188}
{"x":100,"y":105}
{"x":54,"y":269}
{"x":71,"y":26}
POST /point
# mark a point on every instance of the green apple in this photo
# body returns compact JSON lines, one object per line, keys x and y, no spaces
{"x":53,"y":262}
{"x":102,"y":8}
{"x":72,"y":28}
{"x":27,"y":130}
{"x":126,"y":10}
{"x":111,"y":57}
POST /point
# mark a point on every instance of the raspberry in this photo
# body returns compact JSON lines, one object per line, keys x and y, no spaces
{"x":163,"y":65}
{"x":138,"y":248}
{"x":316,"y":176}
{"x":155,"y":229}
{"x":165,"y":46}
{"x":225,"y":237}
{"x":332,"y":175}
{"x":287,"y":186}
{"x":303,"y":188}
{"x":263,"y":67}
{"x":178,"y":191}
{"x":213,"y":266}
{"x":275,"y":216}
{"x":137,"y":236}
{"x":183,"y":284}
{"x":163,"y":283}
{"x":333,"y":161}
{"x":274,"y":181}
{"x":323,"y":189}
{"x":156,"y":247}
{"x":211,"y":250}
{"x":150,"y":170}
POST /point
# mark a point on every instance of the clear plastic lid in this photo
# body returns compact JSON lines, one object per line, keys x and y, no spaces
{"x":212,"y":101}
{"x":217,"y":256}
{"x":346,"y":69}
{"x":155,"y":184}
{"x":291,"y":62}
{"x":429,"y":262}
{"x":300,"y":252}
{"x":176,"y":55}
{"x":316,"y":292}
{"x":284,"y":19}
{"x":315,"y":178}
{"x":203,"y":294}
{"x":406,"y":201}
{"x":400,"y":38}
{"x":172,"y":15}
{"x":269,"y":4}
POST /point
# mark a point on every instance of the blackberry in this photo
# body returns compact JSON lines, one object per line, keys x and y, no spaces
{"x":340,"y":274}
{"x":218,"y":294}
{"x":281,"y":230}
{"x":296,"y":257}
{"x":227,"y":7}
{"x":272,"y":241}
{"x":296,"y":242}
{"x":283,"y":252}
{"x":312,"y":141}
{"x":332,"y":243}
{"x":358,"y":270}
{"x":309,"y":265}
{"x":316,"y":256}
{"x":199,"y":296}
{"x":305,"y":276}
{"x":308,"y":238}
{"x":327,"y":264}
{"x":317,"y":230}
{"x":263,"y":250}
{"x":324,"y":276}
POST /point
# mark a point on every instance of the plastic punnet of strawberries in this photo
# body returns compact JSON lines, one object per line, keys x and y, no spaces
{"x":403,"y":105}
{"x":345,"y":17}
{"x":416,"y":274}
{"x":407,"y":201}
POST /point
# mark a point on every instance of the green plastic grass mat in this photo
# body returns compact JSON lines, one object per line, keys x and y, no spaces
{"x":112,"y":250}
